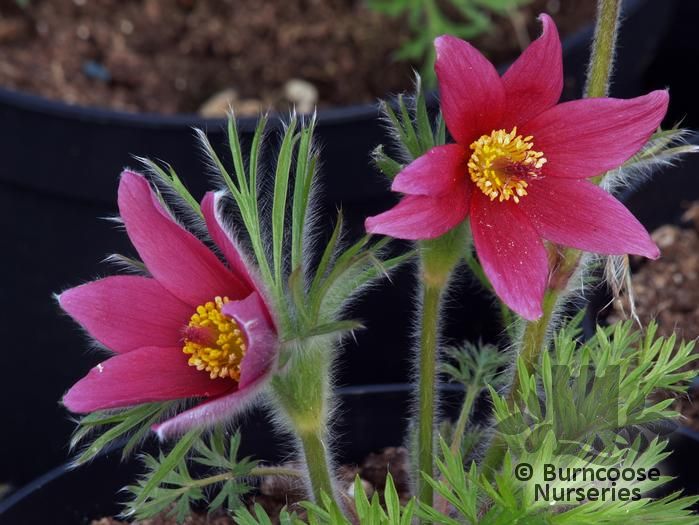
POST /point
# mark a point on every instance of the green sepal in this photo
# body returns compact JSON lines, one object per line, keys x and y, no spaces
{"x":441,"y":255}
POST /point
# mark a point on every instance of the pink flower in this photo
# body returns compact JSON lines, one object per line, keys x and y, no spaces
{"x":195,"y":329}
{"x":519,"y":165}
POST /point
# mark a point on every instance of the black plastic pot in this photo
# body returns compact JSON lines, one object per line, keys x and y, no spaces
{"x":59,"y":175}
{"x":682,"y":463}
{"x":371,"y":418}
{"x":668,"y":69}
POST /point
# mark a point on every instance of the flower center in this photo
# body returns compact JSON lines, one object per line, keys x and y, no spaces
{"x":214,"y":341}
{"x":502,"y":162}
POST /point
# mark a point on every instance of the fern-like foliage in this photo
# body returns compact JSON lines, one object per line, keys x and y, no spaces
{"x":472,"y":498}
{"x":428,"y":19}
{"x":577,"y":411}
{"x":169,"y":486}
{"x":589,"y":405}
{"x":477,"y":367}
{"x":589,"y":392}
{"x":664,"y":148}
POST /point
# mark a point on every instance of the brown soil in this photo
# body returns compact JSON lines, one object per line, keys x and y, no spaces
{"x":170,"y":56}
{"x":274,"y":493}
{"x":667,"y":290}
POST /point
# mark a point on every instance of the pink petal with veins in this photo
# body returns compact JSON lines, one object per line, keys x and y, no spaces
{"x":142,"y":376}
{"x":511,"y":253}
{"x":125,"y":312}
{"x":436,"y":172}
{"x":176,"y":258}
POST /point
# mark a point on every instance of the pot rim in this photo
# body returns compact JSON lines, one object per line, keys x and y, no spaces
{"x":328,"y":116}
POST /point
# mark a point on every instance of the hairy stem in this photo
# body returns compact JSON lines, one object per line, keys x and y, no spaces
{"x":438,"y":259}
{"x":304,"y":394}
{"x":427,"y":388}
{"x":602,"y":58}
{"x":534,"y":340}
{"x":532,"y":345}
{"x":464,"y":417}
{"x":317,"y":463}
{"x":261,"y":472}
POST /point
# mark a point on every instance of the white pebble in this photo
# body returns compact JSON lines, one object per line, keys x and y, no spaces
{"x":302,"y":94}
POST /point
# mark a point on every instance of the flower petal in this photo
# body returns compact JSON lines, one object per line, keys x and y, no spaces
{"x":585,"y":138}
{"x":214,"y":223}
{"x":260,"y":337}
{"x":512,"y":254}
{"x":142,"y":376}
{"x":579,"y":214}
{"x":175,"y":257}
{"x":221,"y":409}
{"x":422,"y":217}
{"x":471,"y":92}
{"x":126,"y":312}
{"x":534,"y":82}
{"x":434,"y":173}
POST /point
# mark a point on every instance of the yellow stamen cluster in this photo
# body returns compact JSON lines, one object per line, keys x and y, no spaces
{"x":214,"y":341}
{"x":501,"y":162}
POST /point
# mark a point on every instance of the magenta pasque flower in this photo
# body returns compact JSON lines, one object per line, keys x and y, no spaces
{"x":519,"y":165}
{"x":194,"y":328}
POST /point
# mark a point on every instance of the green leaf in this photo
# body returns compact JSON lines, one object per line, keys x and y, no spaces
{"x":305,"y":164}
{"x":281,"y":185}
{"x":144,"y":430}
{"x":389,"y":167}
{"x":391,"y":500}
{"x":328,"y":253}
{"x":171,"y":181}
{"x":174,"y":457}
{"x":237,"y":155}
{"x":121,"y":423}
{"x":428,"y":19}
{"x":422,"y":120}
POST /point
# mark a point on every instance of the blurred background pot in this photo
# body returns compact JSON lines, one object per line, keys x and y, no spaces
{"x":59,"y":177}
{"x":371,"y":418}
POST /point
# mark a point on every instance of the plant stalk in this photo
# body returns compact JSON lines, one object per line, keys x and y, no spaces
{"x":532,"y":345}
{"x":534,"y":340}
{"x":318,"y":468}
{"x":603,"y":46}
{"x":464,"y":417}
{"x":427,"y":387}
{"x":438,"y":258}
{"x":304,"y":394}
{"x":261,"y":472}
